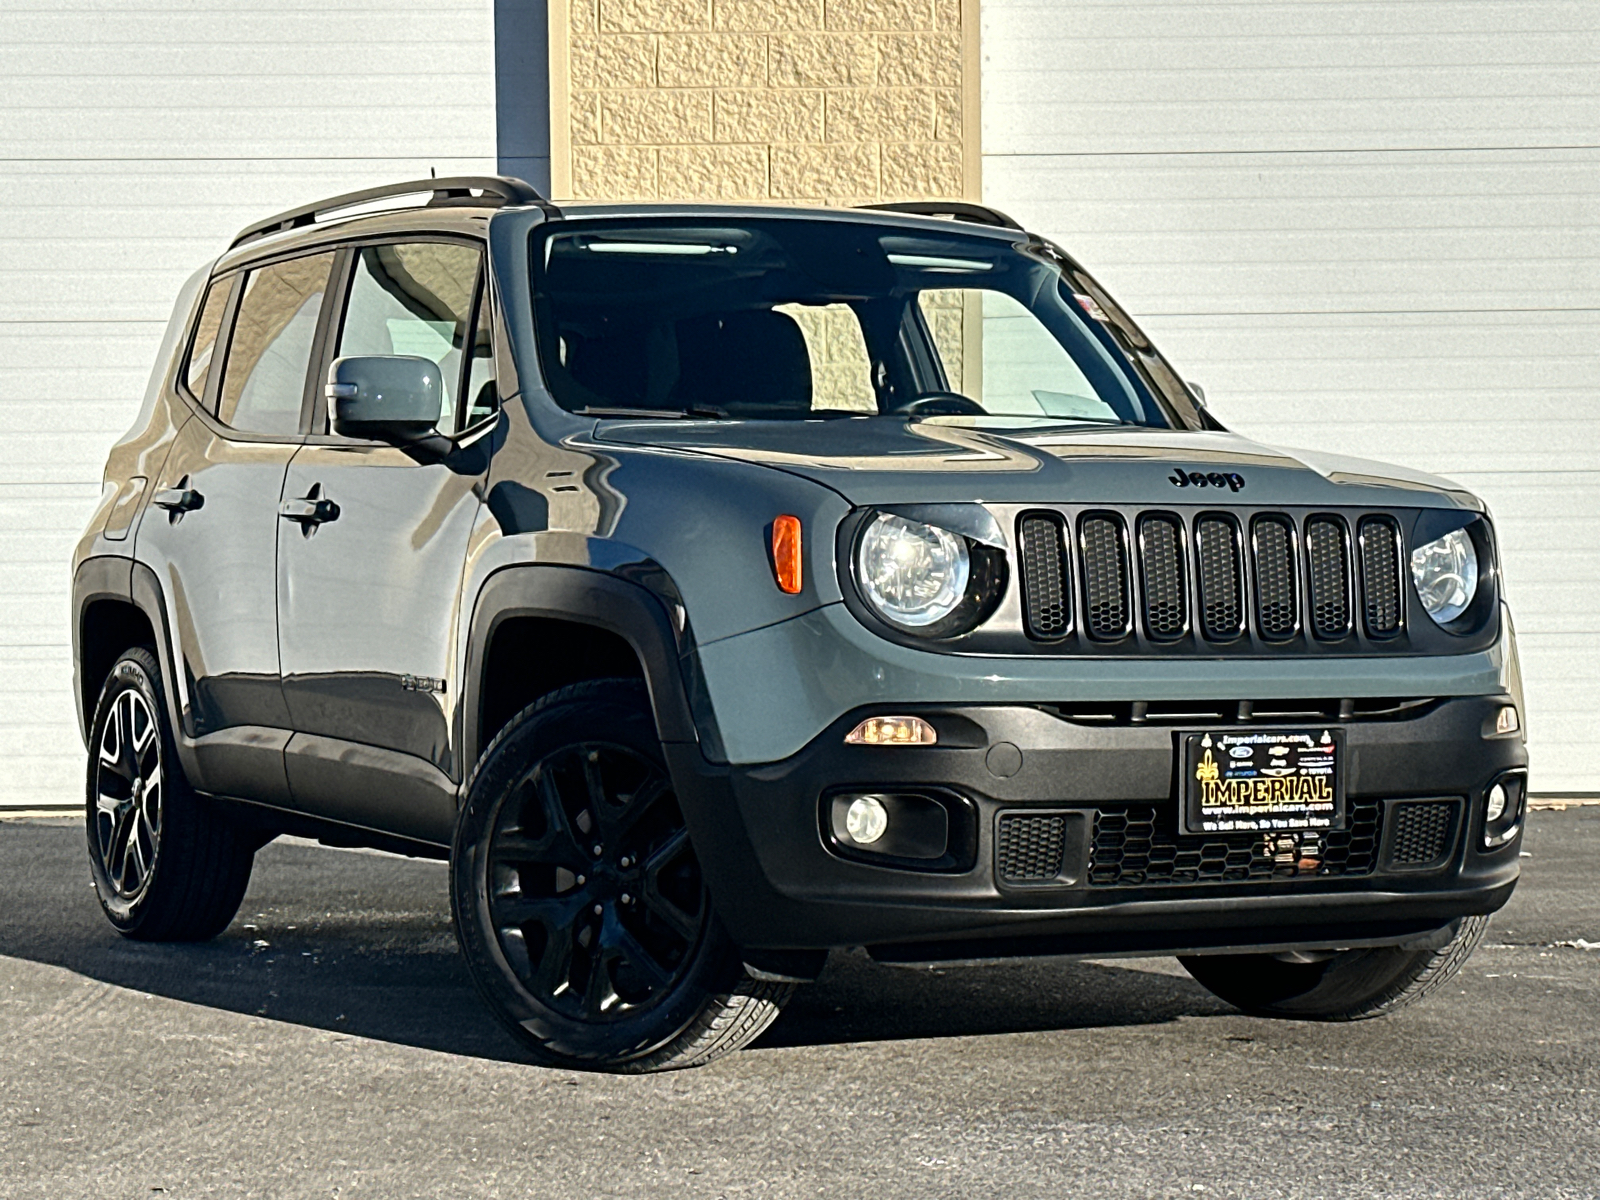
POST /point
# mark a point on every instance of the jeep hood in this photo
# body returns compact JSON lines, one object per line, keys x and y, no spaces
{"x":883,"y":461}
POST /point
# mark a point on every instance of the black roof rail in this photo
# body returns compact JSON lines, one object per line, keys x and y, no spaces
{"x":496,"y":190}
{"x":956,"y":210}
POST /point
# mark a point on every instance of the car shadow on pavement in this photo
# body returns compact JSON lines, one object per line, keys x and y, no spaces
{"x":361,"y":944}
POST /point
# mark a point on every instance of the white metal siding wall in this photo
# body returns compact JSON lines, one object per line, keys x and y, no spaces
{"x":1365,"y":227}
{"x":134,"y":142}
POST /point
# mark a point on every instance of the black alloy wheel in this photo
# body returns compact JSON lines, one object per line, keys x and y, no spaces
{"x":596,"y":896}
{"x":578,"y":900}
{"x":167,"y":864}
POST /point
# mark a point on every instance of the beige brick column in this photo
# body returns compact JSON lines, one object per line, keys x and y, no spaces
{"x":835,"y":101}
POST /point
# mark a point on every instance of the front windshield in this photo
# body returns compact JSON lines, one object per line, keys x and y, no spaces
{"x":786,"y":319}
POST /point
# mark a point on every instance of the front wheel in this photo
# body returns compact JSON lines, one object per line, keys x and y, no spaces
{"x":1346,"y":985}
{"x":579,"y":902}
{"x":166,"y":865}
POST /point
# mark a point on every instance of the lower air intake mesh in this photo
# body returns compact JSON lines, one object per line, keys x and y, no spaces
{"x":1328,"y":577}
{"x":1139,"y":846}
{"x":1105,"y":577}
{"x":1029,"y":849}
{"x":1047,"y":605}
{"x":1423,"y":831}
{"x":1161,"y":564}
{"x":1380,"y":577}
{"x":1221,"y":590}
{"x":1277,"y":609}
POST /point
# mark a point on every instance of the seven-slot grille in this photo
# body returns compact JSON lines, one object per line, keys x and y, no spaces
{"x":1105,"y":576}
{"x":1044,"y":560}
{"x":1166,"y":607}
{"x":1380,"y":573}
{"x":1328,"y":577}
{"x":1277,"y":601}
{"x":1213,"y":576}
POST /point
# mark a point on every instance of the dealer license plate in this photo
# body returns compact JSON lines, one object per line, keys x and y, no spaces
{"x":1263,"y":781}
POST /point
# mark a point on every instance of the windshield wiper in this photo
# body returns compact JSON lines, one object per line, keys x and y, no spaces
{"x":653,"y":414}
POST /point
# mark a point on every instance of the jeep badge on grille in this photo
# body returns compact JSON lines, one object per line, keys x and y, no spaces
{"x":1231,"y":480}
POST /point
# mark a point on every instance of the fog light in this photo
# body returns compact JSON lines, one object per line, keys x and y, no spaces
{"x":866,"y":820}
{"x":1502,"y":809}
{"x":1497,"y":803}
{"x":892,"y":731}
{"x":1507,"y":721}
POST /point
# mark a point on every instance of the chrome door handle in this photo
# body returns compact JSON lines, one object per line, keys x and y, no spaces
{"x":178,"y":500}
{"x":309,"y":510}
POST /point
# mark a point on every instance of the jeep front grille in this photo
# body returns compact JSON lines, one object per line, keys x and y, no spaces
{"x":1221,"y":588}
{"x":1105,"y":576}
{"x":1044,"y":565}
{"x":1209,"y":581}
{"x":1277,"y":600}
{"x":1328,"y":574}
{"x":1166,"y":603}
{"x":1380,"y":577}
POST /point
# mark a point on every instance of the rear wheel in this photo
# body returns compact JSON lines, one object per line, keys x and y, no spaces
{"x":579,"y":902}
{"x":166,"y":865}
{"x":1346,"y":985}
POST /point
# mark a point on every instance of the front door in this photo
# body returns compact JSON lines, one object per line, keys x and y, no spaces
{"x":372,"y":542}
{"x":210,"y":532}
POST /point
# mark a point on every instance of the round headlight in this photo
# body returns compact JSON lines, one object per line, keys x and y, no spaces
{"x":1446,"y":574}
{"x":913,"y":574}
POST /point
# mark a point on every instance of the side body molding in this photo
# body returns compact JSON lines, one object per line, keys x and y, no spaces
{"x":589,"y":597}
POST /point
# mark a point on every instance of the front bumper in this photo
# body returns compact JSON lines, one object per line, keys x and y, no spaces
{"x":781,"y":881}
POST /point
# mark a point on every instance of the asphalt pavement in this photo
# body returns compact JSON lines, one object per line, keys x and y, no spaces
{"x":330,"y":1044}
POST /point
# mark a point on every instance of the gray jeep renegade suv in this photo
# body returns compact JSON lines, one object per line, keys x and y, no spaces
{"x":717,"y":586}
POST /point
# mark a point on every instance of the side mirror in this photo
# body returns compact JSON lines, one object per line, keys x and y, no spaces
{"x":387,"y":397}
{"x":1199,"y":392}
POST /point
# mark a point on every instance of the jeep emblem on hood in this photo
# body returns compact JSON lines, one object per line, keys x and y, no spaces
{"x":1231,"y":480}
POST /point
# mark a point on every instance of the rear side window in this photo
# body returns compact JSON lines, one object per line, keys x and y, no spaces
{"x":205,"y":337}
{"x":264,"y":381}
{"x":414,"y":298}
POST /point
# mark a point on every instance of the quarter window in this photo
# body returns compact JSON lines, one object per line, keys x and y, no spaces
{"x":265,"y":378}
{"x":205,"y":337}
{"x":415,"y":298}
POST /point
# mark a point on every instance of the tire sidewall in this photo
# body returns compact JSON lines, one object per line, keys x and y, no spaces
{"x":136,"y":670}
{"x":621,"y":710}
{"x":1351,"y":985}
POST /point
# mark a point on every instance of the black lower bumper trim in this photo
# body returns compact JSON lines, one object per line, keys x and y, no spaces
{"x":763,"y":842}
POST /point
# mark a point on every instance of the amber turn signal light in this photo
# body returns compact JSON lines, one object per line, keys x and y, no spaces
{"x":786,"y":554}
{"x":892,"y":731}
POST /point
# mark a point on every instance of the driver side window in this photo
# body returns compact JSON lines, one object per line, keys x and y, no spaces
{"x":416,"y":298}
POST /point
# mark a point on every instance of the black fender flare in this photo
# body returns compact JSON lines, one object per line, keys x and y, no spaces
{"x":587,"y":597}
{"x":103,"y":577}
{"x":148,"y":598}
{"x":131,"y":582}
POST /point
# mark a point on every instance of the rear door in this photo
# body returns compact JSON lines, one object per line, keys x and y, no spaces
{"x":367,"y":599}
{"x":210,"y":532}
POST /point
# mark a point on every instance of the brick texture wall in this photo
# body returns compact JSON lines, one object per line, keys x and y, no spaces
{"x":833,"y":101}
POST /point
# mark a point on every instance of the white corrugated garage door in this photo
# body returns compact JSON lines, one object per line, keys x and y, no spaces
{"x":135,"y":142}
{"x":1364,"y":227}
